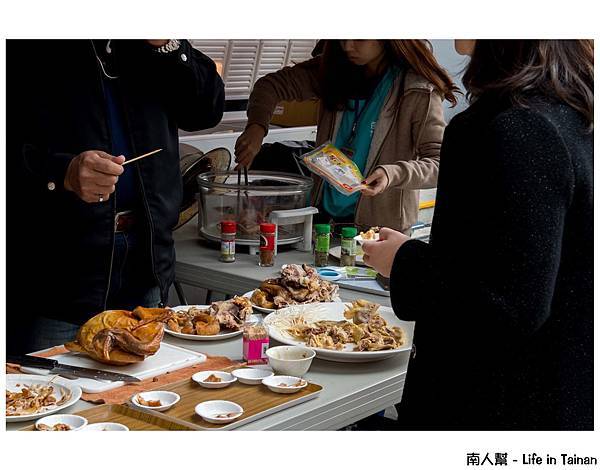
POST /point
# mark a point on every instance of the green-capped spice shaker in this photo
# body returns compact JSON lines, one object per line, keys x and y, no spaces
{"x":348,"y":256}
{"x":322,"y":235}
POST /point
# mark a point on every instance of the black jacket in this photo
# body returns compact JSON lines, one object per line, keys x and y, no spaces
{"x":56,"y":110}
{"x":502,"y":296}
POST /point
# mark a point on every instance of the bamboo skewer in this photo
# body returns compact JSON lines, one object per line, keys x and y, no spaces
{"x":141,"y":156}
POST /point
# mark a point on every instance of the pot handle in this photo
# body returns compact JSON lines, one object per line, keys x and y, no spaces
{"x":296,"y":216}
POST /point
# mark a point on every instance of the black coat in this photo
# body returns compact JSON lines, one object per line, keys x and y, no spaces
{"x":502,"y":296}
{"x":59,"y":245}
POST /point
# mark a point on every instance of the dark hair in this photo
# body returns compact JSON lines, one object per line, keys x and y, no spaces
{"x":340,"y":79}
{"x":518,"y":69}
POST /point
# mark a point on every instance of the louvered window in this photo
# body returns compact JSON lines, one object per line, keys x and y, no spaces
{"x":242,"y":62}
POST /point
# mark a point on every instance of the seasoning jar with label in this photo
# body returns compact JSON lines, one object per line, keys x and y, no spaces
{"x":322,"y":237}
{"x":228,"y":229}
{"x":267,"y":244}
{"x":348,"y":252}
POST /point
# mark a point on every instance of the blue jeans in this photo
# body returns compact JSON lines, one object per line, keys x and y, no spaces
{"x":125,"y":293}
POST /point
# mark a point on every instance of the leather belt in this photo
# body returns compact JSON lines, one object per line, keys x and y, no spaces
{"x":125,"y":221}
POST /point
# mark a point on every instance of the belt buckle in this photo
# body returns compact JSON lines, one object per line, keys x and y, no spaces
{"x":119,"y":215}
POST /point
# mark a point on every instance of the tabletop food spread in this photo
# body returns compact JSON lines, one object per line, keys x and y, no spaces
{"x":307,"y":315}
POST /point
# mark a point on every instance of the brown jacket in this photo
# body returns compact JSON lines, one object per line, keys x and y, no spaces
{"x":406,"y":141}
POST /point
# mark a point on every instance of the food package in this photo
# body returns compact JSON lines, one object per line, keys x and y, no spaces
{"x":255,"y":342}
{"x":330,"y":163}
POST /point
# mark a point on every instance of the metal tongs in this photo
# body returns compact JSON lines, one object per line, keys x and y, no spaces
{"x":239,"y":182}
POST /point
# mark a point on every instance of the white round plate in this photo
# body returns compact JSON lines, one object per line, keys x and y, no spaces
{"x":336,"y":252}
{"x":108,"y":426}
{"x":168,"y":399}
{"x":335,"y":311}
{"x":75,"y":422}
{"x":221,"y":335}
{"x":61,"y":387}
{"x":208,"y":409}
{"x":250,"y":376}
{"x":226,"y":378}
{"x":274,"y":383}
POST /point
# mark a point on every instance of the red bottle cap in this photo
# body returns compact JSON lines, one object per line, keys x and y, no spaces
{"x":267,"y":228}
{"x":228,"y":226}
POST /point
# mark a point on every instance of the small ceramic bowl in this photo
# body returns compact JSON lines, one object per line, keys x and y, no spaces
{"x":167,"y":399}
{"x":106,"y":427}
{"x":226,"y":378}
{"x":219,"y":411}
{"x":284,"y":383}
{"x":75,"y":422}
{"x":251,"y":376}
{"x":290,"y":360}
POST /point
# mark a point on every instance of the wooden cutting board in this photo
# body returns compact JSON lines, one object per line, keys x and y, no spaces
{"x":256,"y":400}
{"x":135,"y":420}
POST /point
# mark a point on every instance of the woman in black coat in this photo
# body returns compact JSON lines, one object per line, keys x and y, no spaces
{"x":504,"y":328}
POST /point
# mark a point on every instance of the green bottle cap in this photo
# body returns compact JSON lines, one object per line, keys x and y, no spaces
{"x":349,"y":232}
{"x":322,"y":229}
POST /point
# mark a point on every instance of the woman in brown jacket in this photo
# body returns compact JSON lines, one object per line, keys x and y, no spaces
{"x":381,"y":103}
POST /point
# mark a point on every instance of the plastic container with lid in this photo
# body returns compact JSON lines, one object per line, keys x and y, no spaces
{"x":348,"y":249}
{"x":322,"y":238}
{"x":228,"y":230}
{"x":267,"y":244}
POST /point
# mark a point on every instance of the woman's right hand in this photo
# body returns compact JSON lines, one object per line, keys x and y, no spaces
{"x":248,"y":145}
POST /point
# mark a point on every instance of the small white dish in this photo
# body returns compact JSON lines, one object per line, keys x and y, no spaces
{"x":290,"y":360}
{"x":212,"y":411}
{"x":275,"y":383}
{"x":167,"y":399}
{"x":251,"y":376}
{"x":75,"y":422}
{"x":226,"y":378}
{"x":106,"y":427}
{"x":360,"y":239}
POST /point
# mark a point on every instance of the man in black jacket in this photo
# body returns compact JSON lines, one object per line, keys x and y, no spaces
{"x":86,"y":233}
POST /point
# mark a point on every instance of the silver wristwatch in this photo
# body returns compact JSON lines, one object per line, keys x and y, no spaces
{"x":169,"y":47}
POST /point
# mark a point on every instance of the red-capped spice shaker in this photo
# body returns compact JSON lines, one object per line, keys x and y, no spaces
{"x":228,"y":229}
{"x":267,"y":244}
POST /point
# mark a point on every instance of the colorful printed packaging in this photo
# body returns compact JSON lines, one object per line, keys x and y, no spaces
{"x":330,"y":163}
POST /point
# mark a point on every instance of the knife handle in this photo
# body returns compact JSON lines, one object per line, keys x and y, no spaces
{"x":32,"y":361}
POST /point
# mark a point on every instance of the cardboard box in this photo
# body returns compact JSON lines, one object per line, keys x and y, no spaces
{"x":296,"y":113}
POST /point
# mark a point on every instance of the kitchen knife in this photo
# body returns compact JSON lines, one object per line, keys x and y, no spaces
{"x":56,"y":367}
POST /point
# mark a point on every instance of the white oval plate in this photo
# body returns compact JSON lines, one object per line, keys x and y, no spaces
{"x":248,"y":295}
{"x":271,"y":310}
{"x":335,"y":311}
{"x":221,"y":335}
{"x":61,"y":387}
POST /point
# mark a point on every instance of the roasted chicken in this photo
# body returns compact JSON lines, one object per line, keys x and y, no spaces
{"x":121,"y":337}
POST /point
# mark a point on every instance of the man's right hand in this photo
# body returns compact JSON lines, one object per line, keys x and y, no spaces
{"x":248,"y":145}
{"x":92,"y":175}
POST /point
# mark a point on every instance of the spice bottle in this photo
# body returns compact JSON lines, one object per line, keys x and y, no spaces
{"x":322,"y":236}
{"x":348,"y":255}
{"x":267,"y":244}
{"x":228,"y":229}
{"x":255,"y":342}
